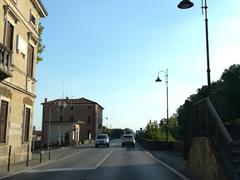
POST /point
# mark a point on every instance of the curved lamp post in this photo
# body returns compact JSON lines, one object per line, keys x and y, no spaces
{"x":49,"y":119}
{"x":166,"y":82}
{"x":185,"y":4}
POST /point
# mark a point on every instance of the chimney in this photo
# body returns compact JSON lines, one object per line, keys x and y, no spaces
{"x":45,"y":100}
{"x":34,"y":128}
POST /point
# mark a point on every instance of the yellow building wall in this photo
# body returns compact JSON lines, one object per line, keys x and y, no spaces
{"x":19,"y":90}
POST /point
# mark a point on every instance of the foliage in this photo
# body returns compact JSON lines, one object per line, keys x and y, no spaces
{"x":183,"y":119}
{"x":106,"y":130}
{"x":116,"y":133}
{"x":140,"y":133}
{"x":153,"y":132}
{"x":158,"y":131}
{"x":173,"y":127}
{"x":128,"y":131}
{"x":225,"y":98}
{"x":228,"y":96}
{"x":41,"y":47}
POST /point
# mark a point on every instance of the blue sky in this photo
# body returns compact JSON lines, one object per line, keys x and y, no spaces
{"x":110,"y":51}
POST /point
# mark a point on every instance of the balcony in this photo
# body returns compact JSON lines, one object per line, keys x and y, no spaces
{"x":5,"y":62}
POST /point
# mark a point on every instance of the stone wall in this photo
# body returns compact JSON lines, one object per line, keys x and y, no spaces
{"x":176,"y":146}
{"x":203,"y":161}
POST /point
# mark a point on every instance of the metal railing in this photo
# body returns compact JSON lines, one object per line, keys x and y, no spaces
{"x":5,"y":62}
{"x":34,"y":158}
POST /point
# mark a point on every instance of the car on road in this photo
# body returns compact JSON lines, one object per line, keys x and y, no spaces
{"x":102,"y":139}
{"x":128,"y":139}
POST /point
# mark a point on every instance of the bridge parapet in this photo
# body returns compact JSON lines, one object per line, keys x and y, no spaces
{"x":209,"y":144}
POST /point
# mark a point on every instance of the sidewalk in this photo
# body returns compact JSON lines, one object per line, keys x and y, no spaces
{"x":55,"y":155}
{"x":174,"y":160}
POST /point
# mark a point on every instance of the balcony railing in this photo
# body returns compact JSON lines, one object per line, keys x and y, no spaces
{"x":5,"y":62}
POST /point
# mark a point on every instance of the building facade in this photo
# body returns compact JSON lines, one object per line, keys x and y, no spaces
{"x":70,"y":121}
{"x":19,"y":21}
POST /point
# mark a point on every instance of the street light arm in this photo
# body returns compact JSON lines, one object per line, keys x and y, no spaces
{"x":166,"y":75}
{"x":162,"y":72}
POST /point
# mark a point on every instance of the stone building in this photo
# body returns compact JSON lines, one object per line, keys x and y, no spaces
{"x":70,"y":121}
{"x":19,"y":22}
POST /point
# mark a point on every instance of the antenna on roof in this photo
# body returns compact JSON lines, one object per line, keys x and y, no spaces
{"x":71,"y":96}
{"x":63,"y":85}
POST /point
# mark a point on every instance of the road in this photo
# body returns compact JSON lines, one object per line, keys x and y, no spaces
{"x":113,"y":163}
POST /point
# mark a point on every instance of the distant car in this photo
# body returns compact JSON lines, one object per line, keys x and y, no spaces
{"x":102,"y":139}
{"x":128,"y":139}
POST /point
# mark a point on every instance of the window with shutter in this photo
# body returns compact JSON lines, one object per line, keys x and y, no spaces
{"x":30,"y":60}
{"x":9,"y":35}
{"x":3,"y":121}
{"x":89,"y":119}
{"x":27,"y":124}
{"x":33,"y":20}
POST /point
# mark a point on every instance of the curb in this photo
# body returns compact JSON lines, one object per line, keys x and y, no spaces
{"x":9,"y":174}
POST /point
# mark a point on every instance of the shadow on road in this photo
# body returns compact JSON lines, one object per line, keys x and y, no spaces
{"x":140,"y":171}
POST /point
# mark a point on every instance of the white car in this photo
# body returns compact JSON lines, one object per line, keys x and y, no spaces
{"x":128,"y":139}
{"x":102,"y":139}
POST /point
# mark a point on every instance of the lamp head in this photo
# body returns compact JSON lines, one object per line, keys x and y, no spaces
{"x":185,"y":4}
{"x":158,"y":79}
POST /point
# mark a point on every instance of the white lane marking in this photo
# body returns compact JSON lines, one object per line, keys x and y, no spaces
{"x":167,"y":166}
{"x":61,"y":169}
{"x":68,"y":156}
{"x":71,"y":169}
{"x":101,"y":161}
{"x":40,"y":165}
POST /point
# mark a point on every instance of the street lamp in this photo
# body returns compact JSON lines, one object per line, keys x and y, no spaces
{"x":166,"y":82}
{"x":49,"y":119}
{"x":185,"y":4}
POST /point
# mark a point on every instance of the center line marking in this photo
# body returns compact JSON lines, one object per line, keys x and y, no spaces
{"x":72,"y":169}
{"x":100,"y":162}
{"x":60,"y":169}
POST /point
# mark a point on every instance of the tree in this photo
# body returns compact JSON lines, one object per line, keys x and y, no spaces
{"x":116,"y":133}
{"x":172,"y":124}
{"x":153,"y":131}
{"x":41,"y":47}
{"x":106,"y":130}
{"x":163,"y":127}
{"x":183,"y":119}
{"x":225,"y":98}
{"x":128,"y":131}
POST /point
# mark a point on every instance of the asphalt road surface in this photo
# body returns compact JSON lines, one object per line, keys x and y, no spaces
{"x":113,"y":163}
